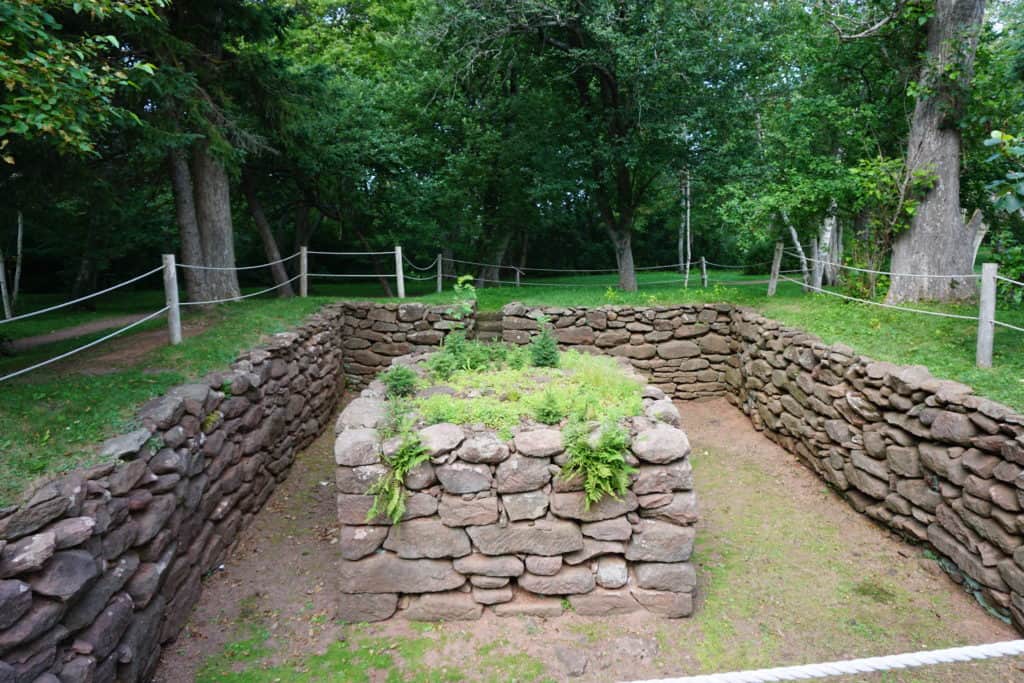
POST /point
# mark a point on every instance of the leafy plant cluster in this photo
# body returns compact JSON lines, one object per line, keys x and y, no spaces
{"x":399,"y":380}
{"x":389,"y":492}
{"x":543,"y":347}
{"x":600,"y":462}
{"x":459,"y":354}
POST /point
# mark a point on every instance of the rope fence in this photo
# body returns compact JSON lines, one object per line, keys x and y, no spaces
{"x":881,"y":304}
{"x":952,"y":655}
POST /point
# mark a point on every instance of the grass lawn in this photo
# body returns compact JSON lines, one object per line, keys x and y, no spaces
{"x":50,"y":417}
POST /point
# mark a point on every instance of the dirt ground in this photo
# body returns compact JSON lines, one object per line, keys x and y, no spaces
{"x":789,"y":574}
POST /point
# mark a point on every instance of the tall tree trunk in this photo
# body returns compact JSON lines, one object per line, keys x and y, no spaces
{"x":524,"y":250}
{"x":5,"y":299}
{"x":836,"y":255}
{"x":795,"y":236}
{"x":284,"y":288}
{"x":938,"y":242}
{"x":18,"y":251}
{"x":212,"y":192}
{"x":188,"y":224}
{"x":85,"y":279}
{"x":491,"y":274}
{"x":622,"y":240}
{"x":826,"y":238}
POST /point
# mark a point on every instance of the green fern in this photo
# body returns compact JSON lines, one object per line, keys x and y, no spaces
{"x":389,"y":492}
{"x":603,"y":465}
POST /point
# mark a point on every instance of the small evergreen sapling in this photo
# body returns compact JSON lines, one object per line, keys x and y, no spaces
{"x":400,"y":380}
{"x":549,"y":412}
{"x":544,"y":348}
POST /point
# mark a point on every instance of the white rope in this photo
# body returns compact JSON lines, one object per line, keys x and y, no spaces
{"x":722,"y":265}
{"x":562,"y":270}
{"x":1012,"y":282}
{"x":432,"y":265}
{"x":937,"y":314}
{"x":84,"y":347}
{"x":351,"y":253}
{"x":858,"y":666}
{"x":82,"y":298}
{"x":421,"y":279}
{"x":258,"y":265}
{"x":354,"y":275}
{"x":239,"y":298}
{"x":885,"y":272}
{"x":1007,"y":325}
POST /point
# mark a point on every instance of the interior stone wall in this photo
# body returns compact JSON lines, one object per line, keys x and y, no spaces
{"x":491,"y":523}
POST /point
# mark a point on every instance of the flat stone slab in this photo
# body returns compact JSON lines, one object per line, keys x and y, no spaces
{"x":678,"y":577}
{"x":485,"y":565}
{"x":681,"y":509}
{"x":441,"y":438}
{"x":352,"y":509}
{"x":543,"y":537}
{"x":539,"y":443}
{"x":618,"y":529}
{"x":528,"y":605}
{"x":483,"y":448}
{"x":356,"y":447}
{"x":427,"y":538}
{"x":604,"y":602}
{"x":677,"y":476}
{"x":457,"y":512}
{"x":388,"y":573}
{"x":362,"y":413}
{"x":573,"y":505}
{"x":463,"y":477}
{"x":519,"y":474}
{"x":568,"y":581}
{"x":665,"y":603}
{"x":657,"y":541}
{"x":356,"y":608}
{"x":449,"y":606}
{"x":359,"y":541}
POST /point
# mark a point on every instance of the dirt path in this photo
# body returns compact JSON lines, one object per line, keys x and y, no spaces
{"x":789,"y":574}
{"x":26,"y":343}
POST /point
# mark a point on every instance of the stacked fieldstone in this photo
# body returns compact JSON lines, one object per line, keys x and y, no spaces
{"x":492,"y":523}
{"x":923,"y":456}
{"x":101,"y":566}
{"x":374,"y":334}
{"x":684,"y":350}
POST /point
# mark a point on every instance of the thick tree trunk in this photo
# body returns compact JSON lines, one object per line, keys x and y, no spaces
{"x":623,"y":243}
{"x":938,"y":242}
{"x":5,"y":299}
{"x":491,"y":274}
{"x":835,"y":256}
{"x":826,"y":239}
{"x":188,"y":225}
{"x":212,"y":192}
{"x":284,"y":288}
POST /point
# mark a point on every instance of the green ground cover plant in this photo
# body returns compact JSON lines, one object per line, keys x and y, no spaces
{"x":599,"y":458}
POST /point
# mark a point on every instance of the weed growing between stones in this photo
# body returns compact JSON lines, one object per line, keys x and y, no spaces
{"x":400,"y":381}
{"x":544,"y":348}
{"x":389,"y":492}
{"x":599,"y":458}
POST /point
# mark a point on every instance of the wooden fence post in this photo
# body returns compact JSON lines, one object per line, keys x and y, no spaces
{"x":303,"y":272}
{"x":703,"y":272}
{"x":773,"y":281}
{"x":171,"y":298}
{"x":399,"y":272}
{"x":987,"y":315}
{"x":440,"y":273}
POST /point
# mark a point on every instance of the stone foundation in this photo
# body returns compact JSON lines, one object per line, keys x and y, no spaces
{"x":492,"y":524}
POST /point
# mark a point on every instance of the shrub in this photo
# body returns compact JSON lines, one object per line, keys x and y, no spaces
{"x":602,"y":464}
{"x":544,"y":348}
{"x":549,"y":412}
{"x":400,"y":380}
{"x":389,"y":492}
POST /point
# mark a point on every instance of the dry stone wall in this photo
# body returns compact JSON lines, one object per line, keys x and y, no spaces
{"x":374,"y":334}
{"x":490,"y":523}
{"x":684,"y":350}
{"x":102,"y":566}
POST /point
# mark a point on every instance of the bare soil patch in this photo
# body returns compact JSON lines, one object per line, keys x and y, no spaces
{"x":789,"y":574}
